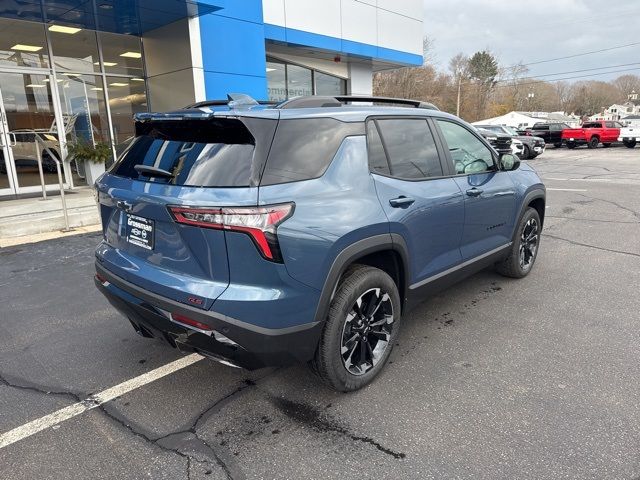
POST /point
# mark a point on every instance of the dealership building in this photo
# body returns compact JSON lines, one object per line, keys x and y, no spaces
{"x":77,"y":70}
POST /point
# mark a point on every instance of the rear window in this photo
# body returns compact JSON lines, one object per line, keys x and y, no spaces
{"x":303,"y":148}
{"x":197,"y":153}
{"x":592,"y":125}
{"x":541,"y":126}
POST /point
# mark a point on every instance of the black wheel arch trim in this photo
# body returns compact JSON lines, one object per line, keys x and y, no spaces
{"x":349,"y":255}
{"x":528,"y":198}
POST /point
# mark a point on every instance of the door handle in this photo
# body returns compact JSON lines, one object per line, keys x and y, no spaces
{"x":474,"y":192}
{"x":401,"y":202}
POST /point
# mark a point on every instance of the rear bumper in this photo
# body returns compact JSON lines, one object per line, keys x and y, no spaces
{"x":629,"y":139}
{"x":232,"y":341}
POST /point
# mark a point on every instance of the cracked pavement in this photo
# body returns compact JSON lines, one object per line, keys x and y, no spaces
{"x":494,"y":378}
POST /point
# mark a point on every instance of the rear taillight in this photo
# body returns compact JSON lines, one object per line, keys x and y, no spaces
{"x":260,"y":223}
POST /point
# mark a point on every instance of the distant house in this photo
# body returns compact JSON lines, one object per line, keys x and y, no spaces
{"x":512,"y":119}
{"x":631,"y":121}
{"x":618,"y":111}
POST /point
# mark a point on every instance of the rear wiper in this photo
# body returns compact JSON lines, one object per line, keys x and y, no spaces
{"x":150,"y":171}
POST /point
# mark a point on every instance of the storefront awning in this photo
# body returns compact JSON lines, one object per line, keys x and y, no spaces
{"x":133,"y":17}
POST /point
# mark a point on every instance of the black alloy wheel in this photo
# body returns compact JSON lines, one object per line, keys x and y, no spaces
{"x":367,"y":331}
{"x":528,"y":243}
{"x":524,"y":248}
{"x":360,"y":330}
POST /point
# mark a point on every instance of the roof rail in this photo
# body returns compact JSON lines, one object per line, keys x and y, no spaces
{"x":314,"y":101}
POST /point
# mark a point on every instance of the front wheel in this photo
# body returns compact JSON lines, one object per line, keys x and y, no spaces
{"x":525,"y":247}
{"x":571,"y":145}
{"x":526,"y":152}
{"x":629,"y":143}
{"x":360,"y":330}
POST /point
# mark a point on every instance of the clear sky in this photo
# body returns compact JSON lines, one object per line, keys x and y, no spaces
{"x":535,"y":30}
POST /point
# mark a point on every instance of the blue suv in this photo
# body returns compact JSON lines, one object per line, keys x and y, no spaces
{"x":263,"y":235}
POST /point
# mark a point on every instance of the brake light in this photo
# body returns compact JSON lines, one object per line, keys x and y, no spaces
{"x":190,"y":322}
{"x":260,"y":223}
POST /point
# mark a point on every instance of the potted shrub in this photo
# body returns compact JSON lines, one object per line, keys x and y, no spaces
{"x":92,"y":156}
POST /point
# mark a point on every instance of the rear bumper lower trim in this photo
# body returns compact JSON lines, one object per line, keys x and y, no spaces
{"x":255,"y":346}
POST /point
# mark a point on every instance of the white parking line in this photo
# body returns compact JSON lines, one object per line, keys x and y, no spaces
{"x":95,"y":400}
{"x":567,"y":189}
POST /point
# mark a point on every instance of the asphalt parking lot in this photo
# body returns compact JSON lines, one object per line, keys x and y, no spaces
{"x":495,"y":378}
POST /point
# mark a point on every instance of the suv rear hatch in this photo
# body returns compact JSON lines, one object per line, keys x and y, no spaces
{"x":187,"y":159}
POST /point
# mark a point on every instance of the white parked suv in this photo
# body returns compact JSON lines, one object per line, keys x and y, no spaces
{"x":629,"y":136}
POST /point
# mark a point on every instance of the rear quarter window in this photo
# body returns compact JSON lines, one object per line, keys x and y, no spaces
{"x":303,"y":148}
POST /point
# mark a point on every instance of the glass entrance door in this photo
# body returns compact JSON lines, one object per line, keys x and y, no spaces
{"x":28,"y":115}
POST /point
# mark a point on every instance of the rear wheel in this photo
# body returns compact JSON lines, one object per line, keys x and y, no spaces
{"x":571,"y":145}
{"x":629,"y":143}
{"x":593,"y":142}
{"x":525,"y":247}
{"x":360,"y":330}
{"x":557,"y":145}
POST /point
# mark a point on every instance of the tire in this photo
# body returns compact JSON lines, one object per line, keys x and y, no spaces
{"x":526,"y":152}
{"x":524,"y":250}
{"x":335,"y":360}
{"x":629,"y":143}
{"x":593,"y":142}
{"x":557,"y":145}
{"x":571,"y":145}
{"x":606,"y":145}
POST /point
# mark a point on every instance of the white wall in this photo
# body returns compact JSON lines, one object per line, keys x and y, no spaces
{"x":394,"y":24}
{"x":360,"y":79}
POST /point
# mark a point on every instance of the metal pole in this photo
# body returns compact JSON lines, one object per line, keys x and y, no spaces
{"x":67,"y":228}
{"x":458,"y":101}
{"x":40,"y":170}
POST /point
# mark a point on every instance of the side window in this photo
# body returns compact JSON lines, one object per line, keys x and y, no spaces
{"x":377,"y":158}
{"x":554,"y":127}
{"x":302,"y":149}
{"x":468,"y":153}
{"x":411,"y":148}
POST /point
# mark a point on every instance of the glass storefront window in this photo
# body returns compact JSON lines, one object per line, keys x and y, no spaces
{"x":23,"y":44}
{"x":84,"y":113}
{"x":299,"y":81}
{"x":286,"y":80}
{"x":329,"y":85}
{"x":276,"y":87}
{"x":77,"y":51}
{"x":127,"y":96}
{"x":122,"y":54}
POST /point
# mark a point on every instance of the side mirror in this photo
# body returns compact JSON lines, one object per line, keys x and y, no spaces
{"x":509,"y":162}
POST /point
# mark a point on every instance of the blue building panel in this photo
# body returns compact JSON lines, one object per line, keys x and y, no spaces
{"x":233,"y":50}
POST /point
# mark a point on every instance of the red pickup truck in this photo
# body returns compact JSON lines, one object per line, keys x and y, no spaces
{"x":591,"y":134}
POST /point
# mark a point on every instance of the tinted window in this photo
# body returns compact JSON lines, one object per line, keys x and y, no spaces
{"x":377,"y":157}
{"x":411,"y":148}
{"x":216,"y":153}
{"x":541,"y":126}
{"x":592,"y":125}
{"x":303,"y":148}
{"x":468,"y":153}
